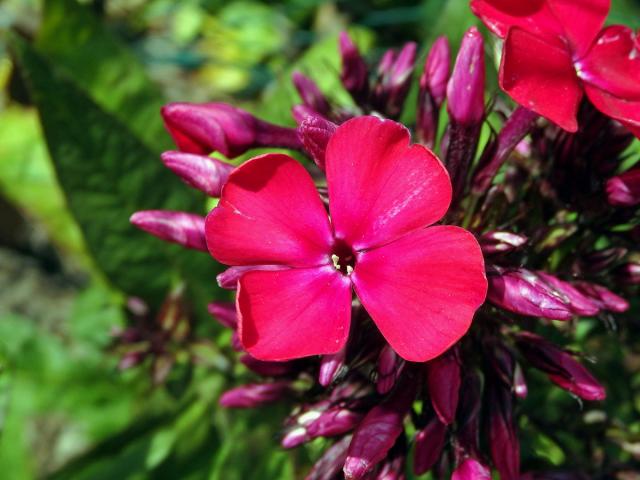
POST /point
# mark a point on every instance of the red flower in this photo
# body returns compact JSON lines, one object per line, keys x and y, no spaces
{"x":556,"y":50}
{"x":421,"y":286}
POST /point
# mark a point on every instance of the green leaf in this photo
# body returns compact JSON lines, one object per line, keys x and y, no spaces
{"x":107,"y":174}
{"x":74,"y":39}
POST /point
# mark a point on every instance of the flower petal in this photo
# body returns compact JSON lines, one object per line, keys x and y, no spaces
{"x":581,"y":20}
{"x":380,"y":187}
{"x":269,"y":213}
{"x":423,"y":289}
{"x":293,"y":313}
{"x":535,"y":16}
{"x":540,"y":76}
{"x":626,"y":112}
{"x":613,"y":63}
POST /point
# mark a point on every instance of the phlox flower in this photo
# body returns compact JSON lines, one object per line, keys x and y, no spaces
{"x":555,"y":51}
{"x":420,"y":284}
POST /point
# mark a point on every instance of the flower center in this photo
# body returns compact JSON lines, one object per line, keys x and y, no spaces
{"x":343,"y":257}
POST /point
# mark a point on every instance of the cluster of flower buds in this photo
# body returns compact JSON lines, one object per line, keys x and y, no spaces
{"x":455,"y":412}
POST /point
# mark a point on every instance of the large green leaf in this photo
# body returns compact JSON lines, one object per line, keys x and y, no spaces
{"x":74,"y":39}
{"x":106,"y":174}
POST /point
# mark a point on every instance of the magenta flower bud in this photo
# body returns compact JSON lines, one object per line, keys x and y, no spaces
{"x":465,"y":90}
{"x":579,"y":303}
{"x":624,"y":190}
{"x":378,"y":431}
{"x":603,"y":259}
{"x":429,"y":443}
{"x":330,"y":464}
{"x":185,"y":229}
{"x":310,"y":94}
{"x":471,"y":469}
{"x":629,"y":273}
{"x":468,"y":422}
{"x":330,"y":367}
{"x":229,"y":278}
{"x":394,"y":80}
{"x":503,"y":362}
{"x":315,"y":132}
{"x":266,"y":369}
{"x":503,"y":438}
{"x":392,"y":469}
{"x":603,"y":297}
{"x":204,"y":173}
{"x":225,"y":313}
{"x":519,"y":382}
{"x":334,"y":421}
{"x":523,"y":292}
{"x":436,"y":71}
{"x":561,"y":368}
{"x":443,"y":378}
{"x":218,"y":127}
{"x":254,"y":395}
{"x":354,"y":74}
{"x":388,"y":368}
{"x":501,"y":242}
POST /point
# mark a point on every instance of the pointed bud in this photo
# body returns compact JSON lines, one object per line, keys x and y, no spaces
{"x":578,"y":303}
{"x":468,"y":429}
{"x":502,"y":361}
{"x":392,"y":469}
{"x":629,"y":273}
{"x":503,"y":437}
{"x":183,"y":228}
{"x":310,"y":94}
{"x":378,"y":431}
{"x":218,"y":127}
{"x":560,"y":366}
{"x":204,"y":173}
{"x":229,"y":278}
{"x":394,"y":80}
{"x":225,"y":313}
{"x":254,"y":395}
{"x":354,"y":74}
{"x":624,"y":190}
{"x":330,"y":367}
{"x":523,"y":292}
{"x":330,"y":464}
{"x":501,"y":242}
{"x":471,"y":469}
{"x":600,"y":260}
{"x":266,"y":369}
{"x":603,"y":297}
{"x":465,"y":90}
{"x":443,"y":378}
{"x":315,"y":132}
{"x":433,"y":88}
{"x":334,"y":421}
{"x":428,"y":446}
{"x":519,"y":382}
{"x":389,"y":367}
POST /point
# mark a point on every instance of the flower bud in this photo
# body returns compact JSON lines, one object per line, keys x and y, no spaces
{"x":389,"y":367}
{"x":578,"y":303}
{"x":471,"y":469}
{"x":394,"y":80}
{"x":465,"y":90}
{"x":523,"y":292}
{"x":315,"y":132}
{"x":229,"y":278}
{"x":320,"y":420}
{"x":603,"y":297}
{"x":254,"y":395}
{"x":560,"y":367}
{"x":204,"y":173}
{"x":354,"y":74}
{"x":310,"y":94}
{"x":218,"y":127}
{"x":624,"y":190}
{"x":266,"y":369}
{"x":629,"y":273}
{"x":501,"y":242}
{"x":378,"y":431}
{"x":429,"y":443}
{"x":503,"y":438}
{"x":443,"y":378}
{"x":600,"y":260}
{"x":432,"y":92}
{"x":392,"y":469}
{"x":330,"y":464}
{"x":468,"y":427}
{"x":185,"y":229}
{"x":330,"y":367}
{"x":225,"y":313}
{"x":519,"y":383}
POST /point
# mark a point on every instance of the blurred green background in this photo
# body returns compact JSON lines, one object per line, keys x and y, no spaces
{"x":80,"y":138}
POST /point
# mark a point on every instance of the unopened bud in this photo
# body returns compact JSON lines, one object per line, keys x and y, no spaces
{"x":428,"y":446}
{"x":628,"y":273}
{"x":471,"y":469}
{"x":204,"y":173}
{"x":219,"y":127}
{"x":603,"y":297}
{"x":443,"y":378}
{"x":331,"y":462}
{"x":225,"y":313}
{"x":254,"y":395}
{"x":388,"y":368}
{"x":266,"y":369}
{"x":501,"y":242}
{"x":468,"y":421}
{"x":186,"y":229}
{"x":229,"y":278}
{"x":624,"y":190}
{"x":315,"y":132}
{"x":330,"y":367}
{"x":394,"y":80}
{"x":503,"y":438}
{"x":578,"y":303}
{"x":310,"y":94}
{"x":354,"y":74}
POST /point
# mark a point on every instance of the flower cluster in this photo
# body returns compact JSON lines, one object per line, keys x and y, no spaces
{"x":397,"y":299}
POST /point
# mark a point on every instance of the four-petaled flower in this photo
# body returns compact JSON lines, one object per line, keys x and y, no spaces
{"x":556,"y":50}
{"x":421,"y":286}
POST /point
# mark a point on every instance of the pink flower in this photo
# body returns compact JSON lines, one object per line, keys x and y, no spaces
{"x":556,"y":50}
{"x":421,"y":286}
